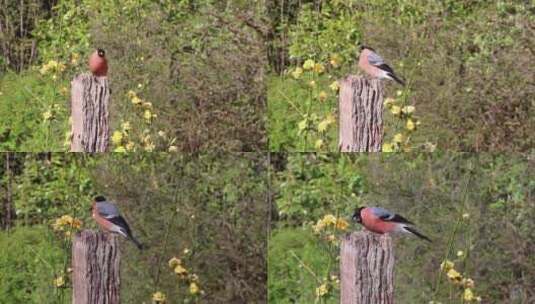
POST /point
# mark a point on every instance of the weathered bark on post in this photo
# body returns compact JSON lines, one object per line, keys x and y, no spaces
{"x":95,"y":263}
{"x":90,"y":97}
{"x":366,"y":269}
{"x":361,"y":114}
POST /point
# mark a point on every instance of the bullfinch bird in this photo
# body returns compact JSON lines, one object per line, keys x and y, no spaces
{"x":109,"y":219}
{"x":382,"y":221}
{"x":98,"y":65}
{"x":371,"y":63}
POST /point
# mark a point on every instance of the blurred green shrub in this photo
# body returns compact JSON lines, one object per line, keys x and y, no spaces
{"x":28,"y":263}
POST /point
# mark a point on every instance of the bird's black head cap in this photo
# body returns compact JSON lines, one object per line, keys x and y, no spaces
{"x":101,"y":52}
{"x":356,"y":215}
{"x":100,"y":198}
{"x":364,"y":47}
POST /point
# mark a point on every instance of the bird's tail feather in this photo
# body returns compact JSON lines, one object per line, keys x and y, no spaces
{"x":396,"y":78}
{"x":135,"y":241}
{"x":132,"y":238}
{"x":418,"y":234}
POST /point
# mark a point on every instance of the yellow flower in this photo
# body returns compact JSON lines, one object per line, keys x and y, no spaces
{"x":468,"y":283}
{"x":329,"y":219}
{"x":446,"y":265}
{"x":312,"y":84}
{"x":318,"y":144}
{"x":147,"y":105}
{"x":130,"y":146}
{"x":309,"y":64}
{"x":120,"y":149}
{"x":147,"y":115}
{"x":341,"y":224}
{"x":322,"y":96}
{"x":131,"y":94}
{"x":466,"y":216}
{"x":117,"y":137}
{"x":173,"y":149}
{"x":387,"y":147}
{"x":399,"y":92}
{"x":193,"y":288}
{"x":410,"y":125}
{"x":47,"y":115}
{"x":149,"y":147}
{"x":454,"y":275}
{"x":331,"y":238}
{"x":335,"y":60}
{"x":460,"y":253}
{"x":396,"y":110}
{"x":398,"y":138}
{"x":126,"y":126}
{"x":319,"y":226}
{"x":180,"y":270}
{"x":322,"y":290}
{"x":408,"y":109}
{"x":334,"y":86}
{"x":136,"y":100}
{"x":297,"y":73}
{"x":389,"y":102}
{"x":74,"y":58}
{"x":319,"y":68}
{"x":161,"y":133}
{"x":174,"y":261}
{"x":468,"y":295}
{"x":59,"y":282}
{"x":159,"y":297}
{"x":324,"y":124}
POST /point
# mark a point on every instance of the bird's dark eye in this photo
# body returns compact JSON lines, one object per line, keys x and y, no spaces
{"x":101,"y":52}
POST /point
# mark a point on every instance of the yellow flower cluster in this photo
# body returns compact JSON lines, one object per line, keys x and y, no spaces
{"x":67,"y":224}
{"x":326,"y":122}
{"x":122,"y":139}
{"x":322,"y":290}
{"x":158,"y":298}
{"x":50,"y":112}
{"x":52,"y":66}
{"x":456,"y":278}
{"x":330,"y":220}
{"x":180,"y":270}
{"x":59,"y":282}
{"x":400,"y":140}
{"x":327,"y":284}
{"x":145,"y":106}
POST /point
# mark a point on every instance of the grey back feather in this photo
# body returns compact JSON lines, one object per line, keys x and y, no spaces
{"x":107,"y":209}
{"x":375,"y":59}
{"x":382,"y":213}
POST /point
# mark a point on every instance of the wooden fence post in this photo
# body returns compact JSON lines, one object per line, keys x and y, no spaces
{"x":366,"y":269}
{"x":90,"y":97}
{"x":361,"y":114}
{"x":95,"y":263}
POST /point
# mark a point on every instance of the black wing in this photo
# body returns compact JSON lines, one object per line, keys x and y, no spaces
{"x":385,"y":67}
{"x":119,"y":221}
{"x":396,"y":218}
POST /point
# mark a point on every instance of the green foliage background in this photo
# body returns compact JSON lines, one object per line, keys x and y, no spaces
{"x":466,"y":64}
{"x":433,"y":191}
{"x":213,"y":205}
{"x":165,"y":51}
